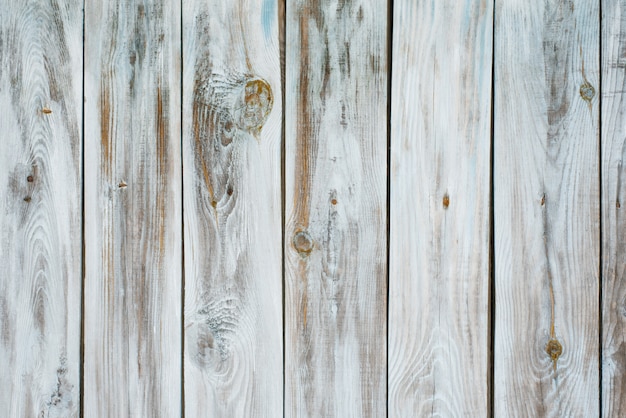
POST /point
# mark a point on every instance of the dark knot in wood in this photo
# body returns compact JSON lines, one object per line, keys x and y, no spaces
{"x":257,"y":104}
{"x":587,"y":92}
{"x":554,"y":349}
{"x":303,"y":243}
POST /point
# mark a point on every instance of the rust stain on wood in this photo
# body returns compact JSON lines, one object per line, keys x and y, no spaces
{"x":105,"y":123}
{"x":162,"y":168}
{"x":554,"y":347}
{"x":199,"y":109}
{"x":306,"y":143}
{"x":304,"y":309}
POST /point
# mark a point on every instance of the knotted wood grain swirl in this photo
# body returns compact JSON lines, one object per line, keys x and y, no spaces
{"x":40,"y":207}
{"x":232,"y":116}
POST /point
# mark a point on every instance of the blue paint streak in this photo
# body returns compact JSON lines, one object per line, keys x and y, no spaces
{"x":268,"y":15}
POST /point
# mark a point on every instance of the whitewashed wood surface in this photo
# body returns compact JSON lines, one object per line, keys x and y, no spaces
{"x":613,"y":199}
{"x":335,"y":197}
{"x":40,"y":207}
{"x":133,"y":204}
{"x":546,"y":208}
{"x":232,"y":124}
{"x":440,"y":201}
{"x":168,"y":249}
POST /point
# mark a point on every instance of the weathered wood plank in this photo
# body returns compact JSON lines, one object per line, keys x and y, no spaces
{"x":335,"y":177}
{"x":613,"y":198}
{"x":546,"y":214}
{"x":133,"y":237}
{"x":440,"y":197}
{"x":232,"y":205}
{"x":40,"y":207}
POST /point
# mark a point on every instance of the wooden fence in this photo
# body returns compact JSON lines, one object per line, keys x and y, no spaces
{"x":322,"y":208}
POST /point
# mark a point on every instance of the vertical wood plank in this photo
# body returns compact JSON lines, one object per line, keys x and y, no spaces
{"x":232,"y":207}
{"x":613,"y":198}
{"x":546,"y":192}
{"x":336,"y":217}
{"x":133,"y":218}
{"x":440,"y":197}
{"x":40,"y":207}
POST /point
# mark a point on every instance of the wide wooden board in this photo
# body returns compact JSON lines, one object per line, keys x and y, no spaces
{"x":336,"y":216}
{"x":546,"y":208}
{"x":439,"y":215}
{"x":613,"y":199}
{"x":40,"y":207}
{"x":232,"y":118}
{"x":133,"y":202}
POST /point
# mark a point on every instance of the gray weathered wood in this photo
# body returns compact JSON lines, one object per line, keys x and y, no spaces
{"x":335,"y":233}
{"x":40,"y":207}
{"x":440,"y":197}
{"x":233,"y":259}
{"x":546,"y":215}
{"x":613,"y":200}
{"x":133,"y":237}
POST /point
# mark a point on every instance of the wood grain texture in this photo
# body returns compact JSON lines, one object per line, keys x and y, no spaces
{"x":335,"y":233}
{"x":613,"y":200}
{"x":440,"y":197}
{"x":232,"y":205}
{"x":40,"y":207}
{"x":546,"y":215}
{"x":133,"y":238}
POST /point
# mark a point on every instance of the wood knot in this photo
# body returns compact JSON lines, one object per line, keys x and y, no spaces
{"x":257,"y":99}
{"x":303,"y":243}
{"x":228,"y":130}
{"x":554,"y":349}
{"x":46,"y":110}
{"x":446,"y":201}
{"x":587,"y":92}
{"x":30,"y":179}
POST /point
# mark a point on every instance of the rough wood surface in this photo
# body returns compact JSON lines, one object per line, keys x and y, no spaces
{"x":133,"y":238}
{"x":613,"y":200}
{"x":40,"y":207}
{"x":335,"y":233}
{"x":546,"y":195}
{"x":233,"y":260}
{"x":440,"y":197}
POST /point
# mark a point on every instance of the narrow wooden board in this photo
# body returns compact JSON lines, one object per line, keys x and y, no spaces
{"x":440,"y":197}
{"x":546,"y":214}
{"x":613,"y":201}
{"x":336,"y":217}
{"x":232,"y":206}
{"x":40,"y":207}
{"x":133,"y":202}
